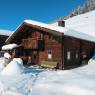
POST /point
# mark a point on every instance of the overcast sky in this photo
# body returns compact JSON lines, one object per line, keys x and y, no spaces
{"x":13,"y":12}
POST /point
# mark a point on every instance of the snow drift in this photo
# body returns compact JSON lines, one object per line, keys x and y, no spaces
{"x":2,"y":63}
{"x":79,"y":81}
{"x":14,"y":67}
{"x":7,"y":55}
{"x":9,"y":46}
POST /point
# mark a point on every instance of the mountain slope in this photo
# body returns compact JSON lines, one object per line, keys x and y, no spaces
{"x":88,"y":6}
{"x":5,"y":32}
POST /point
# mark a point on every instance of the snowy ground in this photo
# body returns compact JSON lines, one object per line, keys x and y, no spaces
{"x":37,"y":81}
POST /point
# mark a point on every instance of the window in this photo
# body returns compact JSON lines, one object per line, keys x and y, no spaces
{"x":41,"y":36}
{"x":49,"y":54}
{"x":76,"y":55}
{"x":50,"y":37}
{"x":68,"y":55}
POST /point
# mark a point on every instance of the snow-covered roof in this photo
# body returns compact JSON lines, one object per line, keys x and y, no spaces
{"x":80,"y":34}
{"x":80,"y":20}
{"x":39,"y":25}
{"x":44,"y":25}
{"x":9,"y":46}
{"x":82,"y":26}
{"x":5,"y":32}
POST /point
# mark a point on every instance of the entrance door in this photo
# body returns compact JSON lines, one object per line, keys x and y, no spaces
{"x":34,"y":57}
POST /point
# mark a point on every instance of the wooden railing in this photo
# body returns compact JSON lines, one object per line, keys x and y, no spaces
{"x":32,"y":43}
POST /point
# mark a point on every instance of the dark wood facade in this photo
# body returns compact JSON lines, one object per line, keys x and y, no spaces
{"x":38,"y":44}
{"x":2,"y":40}
{"x":80,"y":51}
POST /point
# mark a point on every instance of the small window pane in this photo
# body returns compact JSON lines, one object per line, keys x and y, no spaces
{"x":68,"y":55}
{"x":49,"y":55}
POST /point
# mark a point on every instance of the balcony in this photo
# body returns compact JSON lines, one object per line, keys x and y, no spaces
{"x":31,"y":43}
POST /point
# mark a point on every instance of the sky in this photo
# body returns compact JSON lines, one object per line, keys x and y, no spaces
{"x":13,"y":12}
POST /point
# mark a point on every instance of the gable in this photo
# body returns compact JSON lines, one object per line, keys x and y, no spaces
{"x":25,"y":30}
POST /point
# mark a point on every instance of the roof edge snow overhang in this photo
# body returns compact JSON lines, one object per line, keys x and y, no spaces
{"x":79,"y":35}
{"x":55,"y":30}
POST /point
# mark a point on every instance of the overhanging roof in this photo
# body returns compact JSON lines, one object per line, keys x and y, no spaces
{"x":29,"y":24}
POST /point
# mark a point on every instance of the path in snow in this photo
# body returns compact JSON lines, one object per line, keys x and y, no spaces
{"x":19,"y":84}
{"x":37,"y":81}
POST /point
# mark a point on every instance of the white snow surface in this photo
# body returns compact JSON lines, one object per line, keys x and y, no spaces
{"x":14,"y":67}
{"x":2,"y":63}
{"x":44,"y":25}
{"x":82,"y":26}
{"x":38,"y":81}
{"x":7,"y":55}
{"x":9,"y":46}
{"x":82,"y":19}
{"x":6,"y":32}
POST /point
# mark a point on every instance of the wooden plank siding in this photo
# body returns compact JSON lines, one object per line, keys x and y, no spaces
{"x":38,"y":43}
{"x":44,"y":45}
{"x":79,"y":50}
{"x":41,"y":43}
{"x":55,"y":48}
{"x":72,"y":46}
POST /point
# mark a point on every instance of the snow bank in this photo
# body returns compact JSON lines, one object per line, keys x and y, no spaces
{"x":79,"y":81}
{"x":19,"y":61}
{"x":14,"y":67}
{"x":2,"y":63}
{"x":9,"y":46}
{"x":92,"y":60}
{"x":1,"y":66}
{"x":5,"y":91}
{"x":7,"y":55}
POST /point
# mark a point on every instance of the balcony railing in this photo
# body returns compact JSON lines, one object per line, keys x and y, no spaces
{"x":31,"y":43}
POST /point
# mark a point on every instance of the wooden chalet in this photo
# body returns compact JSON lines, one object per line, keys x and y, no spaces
{"x":47,"y":45}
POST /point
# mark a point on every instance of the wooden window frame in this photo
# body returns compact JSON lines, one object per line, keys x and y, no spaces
{"x":49,"y":54}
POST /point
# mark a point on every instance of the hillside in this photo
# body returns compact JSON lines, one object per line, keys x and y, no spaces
{"x":4,"y":34}
{"x":88,"y":6}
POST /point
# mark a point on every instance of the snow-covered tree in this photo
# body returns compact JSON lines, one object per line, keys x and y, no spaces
{"x":86,"y":7}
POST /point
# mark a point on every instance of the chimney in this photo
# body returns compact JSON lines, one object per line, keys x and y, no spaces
{"x":61,"y":23}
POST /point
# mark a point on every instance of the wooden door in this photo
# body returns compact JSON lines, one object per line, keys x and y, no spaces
{"x":34,"y":57}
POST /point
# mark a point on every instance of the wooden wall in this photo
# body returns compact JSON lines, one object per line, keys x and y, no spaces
{"x":80,"y":50}
{"x":72,"y":50}
{"x":55,"y":48}
{"x":67,"y":52}
{"x":48,"y":42}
